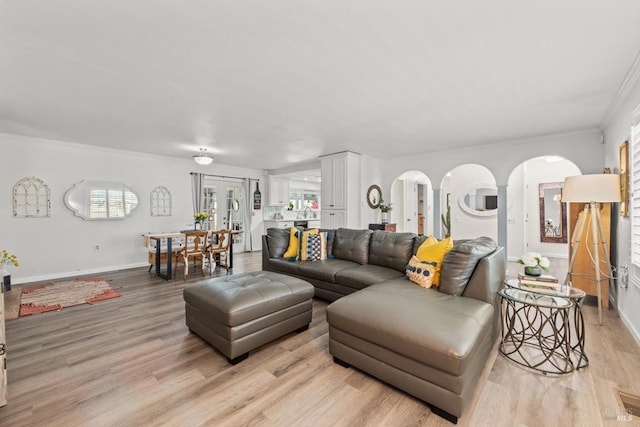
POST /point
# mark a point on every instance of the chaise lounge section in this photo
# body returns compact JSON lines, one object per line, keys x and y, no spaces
{"x":431,"y":343}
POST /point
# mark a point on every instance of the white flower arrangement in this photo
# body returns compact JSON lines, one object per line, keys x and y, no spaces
{"x":534,"y":259}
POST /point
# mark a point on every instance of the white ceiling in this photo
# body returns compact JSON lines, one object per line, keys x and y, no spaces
{"x":270,"y":84}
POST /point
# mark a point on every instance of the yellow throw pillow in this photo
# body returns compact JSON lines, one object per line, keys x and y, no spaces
{"x":421,"y":272}
{"x":294,"y":245}
{"x":434,"y":252}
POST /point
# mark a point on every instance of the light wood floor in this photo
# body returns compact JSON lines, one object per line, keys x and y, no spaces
{"x":131,"y":361}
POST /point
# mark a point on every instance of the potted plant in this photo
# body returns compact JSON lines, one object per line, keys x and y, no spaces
{"x":200,"y":218}
{"x":7,"y":259}
{"x":384,"y":209}
{"x":534,"y":263}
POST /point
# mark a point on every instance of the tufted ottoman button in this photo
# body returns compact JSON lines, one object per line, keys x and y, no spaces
{"x":239,"y":313}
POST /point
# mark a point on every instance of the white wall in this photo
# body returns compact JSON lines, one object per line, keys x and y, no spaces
{"x":616,"y":132}
{"x":63,"y":244}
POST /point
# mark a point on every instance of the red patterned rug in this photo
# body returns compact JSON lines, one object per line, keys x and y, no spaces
{"x":56,"y":296}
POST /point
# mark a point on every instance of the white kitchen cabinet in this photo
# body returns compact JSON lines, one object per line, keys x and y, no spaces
{"x":277,"y":224}
{"x":341,"y":198}
{"x":334,"y":219}
{"x":278,"y":191}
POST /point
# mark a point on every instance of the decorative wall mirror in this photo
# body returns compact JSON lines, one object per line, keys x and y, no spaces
{"x":99,"y":200}
{"x":553,"y":213}
{"x":374,"y":196}
{"x":31,"y":198}
{"x":160,"y":201}
{"x":480,"y":200}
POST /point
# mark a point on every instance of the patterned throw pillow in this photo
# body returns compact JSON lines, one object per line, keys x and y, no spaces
{"x":302,"y":242}
{"x":433,"y":251}
{"x":314,"y":247}
{"x":421,"y":272}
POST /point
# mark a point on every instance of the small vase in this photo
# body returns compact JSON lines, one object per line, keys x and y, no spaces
{"x":532,"y":271}
{"x":383,"y":217}
{"x":6,"y":280}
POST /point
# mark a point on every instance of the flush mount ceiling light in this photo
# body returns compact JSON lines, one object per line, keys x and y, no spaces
{"x":203,"y":158}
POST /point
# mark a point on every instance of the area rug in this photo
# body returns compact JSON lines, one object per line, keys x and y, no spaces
{"x":56,"y":296}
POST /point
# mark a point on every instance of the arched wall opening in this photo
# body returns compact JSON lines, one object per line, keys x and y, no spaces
{"x":412,"y":198}
{"x":525,"y":221}
{"x":469,"y":191}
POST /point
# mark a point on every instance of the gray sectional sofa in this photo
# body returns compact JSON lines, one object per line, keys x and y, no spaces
{"x":431,"y":343}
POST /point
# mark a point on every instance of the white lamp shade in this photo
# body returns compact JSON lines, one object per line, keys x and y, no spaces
{"x":592,"y":188}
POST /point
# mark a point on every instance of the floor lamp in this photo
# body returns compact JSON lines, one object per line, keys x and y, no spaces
{"x":593,"y":190}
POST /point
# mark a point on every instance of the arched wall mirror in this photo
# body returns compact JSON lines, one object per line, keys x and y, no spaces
{"x":99,"y":200}
{"x":480,"y":200}
{"x":553,"y":213}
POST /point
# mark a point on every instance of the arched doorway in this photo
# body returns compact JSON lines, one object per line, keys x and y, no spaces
{"x":525,"y":220}
{"x":412,"y":198}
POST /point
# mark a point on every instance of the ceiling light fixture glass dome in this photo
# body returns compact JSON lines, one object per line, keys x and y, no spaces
{"x":203,"y":158}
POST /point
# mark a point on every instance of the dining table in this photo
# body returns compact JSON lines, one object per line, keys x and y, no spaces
{"x":158,"y":237}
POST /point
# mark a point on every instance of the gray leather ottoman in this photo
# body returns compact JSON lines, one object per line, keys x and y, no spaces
{"x":241,"y":312}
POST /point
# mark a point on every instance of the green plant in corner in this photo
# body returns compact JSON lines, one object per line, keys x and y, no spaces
{"x":446,"y":221}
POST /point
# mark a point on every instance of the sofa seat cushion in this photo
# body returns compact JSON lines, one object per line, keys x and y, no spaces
{"x":324,"y":270}
{"x":438,"y":330}
{"x":283,"y":266}
{"x":366,"y":275}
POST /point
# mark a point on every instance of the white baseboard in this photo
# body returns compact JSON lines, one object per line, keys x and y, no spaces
{"x":61,"y":275}
{"x":634,"y":332}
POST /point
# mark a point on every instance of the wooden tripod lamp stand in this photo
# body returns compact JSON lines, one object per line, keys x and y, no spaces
{"x":593,"y":190}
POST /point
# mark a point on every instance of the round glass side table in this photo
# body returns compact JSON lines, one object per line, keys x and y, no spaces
{"x":535,"y":331}
{"x":576,"y":296}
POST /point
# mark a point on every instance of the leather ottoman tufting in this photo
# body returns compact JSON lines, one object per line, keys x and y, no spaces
{"x":241,"y":312}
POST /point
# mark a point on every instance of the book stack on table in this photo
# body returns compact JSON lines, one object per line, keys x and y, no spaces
{"x":539,"y":283}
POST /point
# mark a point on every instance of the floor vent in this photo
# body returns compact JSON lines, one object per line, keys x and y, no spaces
{"x":629,"y":404}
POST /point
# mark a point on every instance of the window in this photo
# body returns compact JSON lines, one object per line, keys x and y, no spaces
{"x":160,"y":202}
{"x":634,"y":178}
{"x":301,"y":198}
{"x":31,"y":198}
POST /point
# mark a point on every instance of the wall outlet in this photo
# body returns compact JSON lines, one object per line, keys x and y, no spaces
{"x":623,"y":276}
{"x":97,"y":247}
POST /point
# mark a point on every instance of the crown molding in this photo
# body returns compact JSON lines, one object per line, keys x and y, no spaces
{"x":623,"y":91}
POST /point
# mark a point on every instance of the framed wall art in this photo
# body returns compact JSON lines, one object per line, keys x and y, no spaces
{"x":624,"y":178}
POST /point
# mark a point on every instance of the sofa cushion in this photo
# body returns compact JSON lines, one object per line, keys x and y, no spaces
{"x":323,"y":270}
{"x":391,"y":250}
{"x":278,"y":241}
{"x":421,"y":272}
{"x":331,"y":236}
{"x":301,"y":237}
{"x":400,"y":316}
{"x":352,"y":245}
{"x":314,"y":247}
{"x":433,"y":251}
{"x":461,"y":261}
{"x":294,"y":244}
{"x":417,"y":242}
{"x":361,"y":276}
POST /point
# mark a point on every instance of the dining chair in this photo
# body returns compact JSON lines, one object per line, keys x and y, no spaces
{"x":195,"y":247}
{"x":219,"y":248}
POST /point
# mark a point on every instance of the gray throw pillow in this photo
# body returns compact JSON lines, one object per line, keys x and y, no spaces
{"x":458,"y":265}
{"x":278,"y":241}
